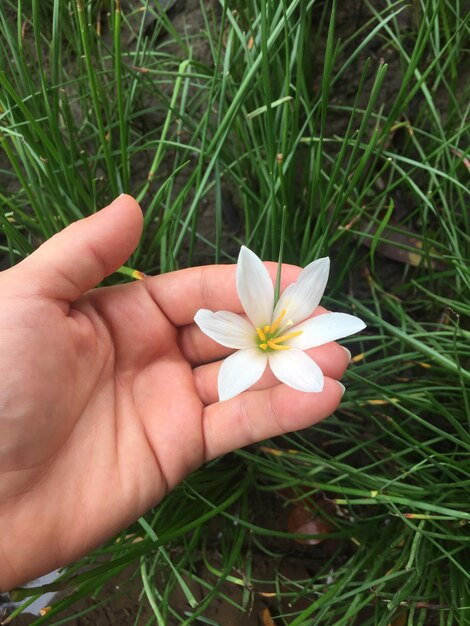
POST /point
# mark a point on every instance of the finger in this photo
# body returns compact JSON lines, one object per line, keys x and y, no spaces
{"x":198,"y":348}
{"x":332,"y":359}
{"x":180,"y":294}
{"x":256,"y":415}
{"x":81,"y":255}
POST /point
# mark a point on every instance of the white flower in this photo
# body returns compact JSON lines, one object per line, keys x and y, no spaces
{"x":274,"y":334}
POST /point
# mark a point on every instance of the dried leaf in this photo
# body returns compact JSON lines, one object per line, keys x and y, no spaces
{"x":266,"y":617}
{"x":460,"y":155}
{"x":302,"y":521}
{"x":399,"y":620}
{"x":398,"y":239}
{"x":45,"y":610}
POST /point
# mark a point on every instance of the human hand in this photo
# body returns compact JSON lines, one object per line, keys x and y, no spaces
{"x":108,"y":397}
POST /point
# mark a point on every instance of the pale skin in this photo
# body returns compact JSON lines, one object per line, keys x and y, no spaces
{"x":108,"y":397}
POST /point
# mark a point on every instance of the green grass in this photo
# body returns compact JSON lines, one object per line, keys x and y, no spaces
{"x":371,"y":119}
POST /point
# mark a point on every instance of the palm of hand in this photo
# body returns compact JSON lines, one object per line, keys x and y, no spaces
{"x":117,"y":401}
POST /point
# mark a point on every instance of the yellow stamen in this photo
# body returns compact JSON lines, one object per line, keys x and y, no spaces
{"x":263,"y":346}
{"x":274,"y":346}
{"x":277,"y":322}
{"x":267,"y":328}
{"x":286,"y":337}
{"x":261,"y":334}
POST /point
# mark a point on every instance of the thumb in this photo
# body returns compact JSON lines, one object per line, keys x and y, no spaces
{"x":80,"y":256}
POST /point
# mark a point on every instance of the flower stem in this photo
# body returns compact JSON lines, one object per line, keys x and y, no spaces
{"x":281,"y":252}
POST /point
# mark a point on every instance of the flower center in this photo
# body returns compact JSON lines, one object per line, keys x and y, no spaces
{"x":270,"y":337}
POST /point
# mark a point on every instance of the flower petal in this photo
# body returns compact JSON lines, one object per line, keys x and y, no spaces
{"x":239,"y":371}
{"x":324,"y":328}
{"x":296,"y":369}
{"x":255,"y":288}
{"x":301,"y":298}
{"x":227,"y":328}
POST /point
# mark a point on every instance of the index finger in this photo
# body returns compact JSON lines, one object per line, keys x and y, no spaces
{"x":180,"y":294}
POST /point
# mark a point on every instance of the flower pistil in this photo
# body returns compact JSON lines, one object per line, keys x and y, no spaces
{"x":270,"y":336}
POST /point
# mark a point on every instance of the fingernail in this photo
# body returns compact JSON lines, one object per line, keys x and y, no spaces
{"x":348,"y":353}
{"x":342,"y":387}
{"x":121,"y":194}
